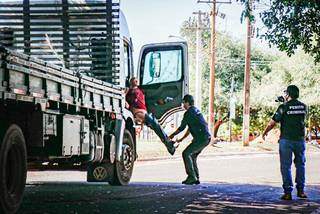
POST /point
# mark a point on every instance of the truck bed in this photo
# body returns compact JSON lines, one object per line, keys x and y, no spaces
{"x":25,"y":78}
{"x":79,"y":36}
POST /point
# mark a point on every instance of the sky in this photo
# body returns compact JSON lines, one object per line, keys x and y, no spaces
{"x":154,"y":20}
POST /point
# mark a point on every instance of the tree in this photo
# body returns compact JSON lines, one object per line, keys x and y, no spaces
{"x":230,"y":61}
{"x":291,"y":24}
{"x":230,"y":55}
{"x":299,"y":70}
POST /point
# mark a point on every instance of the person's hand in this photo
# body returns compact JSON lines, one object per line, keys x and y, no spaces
{"x":160,"y":102}
{"x":264,"y":136}
{"x":177,"y":144}
{"x":127,"y":105}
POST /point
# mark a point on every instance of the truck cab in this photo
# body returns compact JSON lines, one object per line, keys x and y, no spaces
{"x":162,"y":72}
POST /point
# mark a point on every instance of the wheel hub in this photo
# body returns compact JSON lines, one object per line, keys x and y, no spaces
{"x":127,"y":157}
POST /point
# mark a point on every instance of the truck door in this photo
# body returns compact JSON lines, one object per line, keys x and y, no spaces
{"x":163,"y":76}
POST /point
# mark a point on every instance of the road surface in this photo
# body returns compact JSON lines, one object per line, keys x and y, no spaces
{"x":229,"y":184}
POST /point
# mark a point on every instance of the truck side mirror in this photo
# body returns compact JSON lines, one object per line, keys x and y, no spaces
{"x":155,"y":65}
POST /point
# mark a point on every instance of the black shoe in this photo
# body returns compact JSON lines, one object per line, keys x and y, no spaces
{"x":170,"y":147}
{"x":190,"y":181}
{"x":286,"y":197}
{"x":302,"y":195}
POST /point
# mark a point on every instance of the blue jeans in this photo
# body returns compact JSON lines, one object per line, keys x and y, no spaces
{"x":286,"y":149}
{"x":152,"y":123}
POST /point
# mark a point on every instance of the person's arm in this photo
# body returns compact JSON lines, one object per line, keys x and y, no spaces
{"x":126,"y":90}
{"x":270,"y":126}
{"x":184,"y":136}
{"x":175,"y":133}
{"x":277,"y":117}
{"x":127,"y":105}
{"x":181,"y":128}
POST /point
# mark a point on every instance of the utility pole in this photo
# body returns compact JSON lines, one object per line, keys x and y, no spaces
{"x":198,"y":59}
{"x":213,"y":58}
{"x":212,"y":65}
{"x":246,"y":104}
{"x":232,"y":108}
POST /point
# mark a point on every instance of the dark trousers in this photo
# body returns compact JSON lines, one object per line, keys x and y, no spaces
{"x":190,"y":155}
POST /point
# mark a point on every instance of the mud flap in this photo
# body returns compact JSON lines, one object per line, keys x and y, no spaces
{"x":119,"y":130}
{"x":100,"y":172}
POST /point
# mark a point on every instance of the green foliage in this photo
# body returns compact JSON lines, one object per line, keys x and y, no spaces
{"x":314,"y":116}
{"x":299,"y":70}
{"x":230,"y":55}
{"x":259,"y":117}
{"x":290,"y":24}
{"x":270,"y":75}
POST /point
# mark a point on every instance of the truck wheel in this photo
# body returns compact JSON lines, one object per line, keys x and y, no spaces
{"x":13,"y":169}
{"x":123,"y":169}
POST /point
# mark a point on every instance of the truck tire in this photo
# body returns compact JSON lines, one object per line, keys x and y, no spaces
{"x":13,"y":169}
{"x":123,"y":169}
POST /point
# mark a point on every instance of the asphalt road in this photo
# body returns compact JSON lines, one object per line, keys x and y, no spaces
{"x":229,"y":184}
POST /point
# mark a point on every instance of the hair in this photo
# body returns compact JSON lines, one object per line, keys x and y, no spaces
{"x":132,"y":78}
{"x":293,"y":91}
{"x":188,"y":99}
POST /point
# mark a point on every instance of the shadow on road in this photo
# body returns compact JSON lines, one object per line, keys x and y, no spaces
{"x":246,"y":198}
{"x":82,"y":197}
